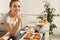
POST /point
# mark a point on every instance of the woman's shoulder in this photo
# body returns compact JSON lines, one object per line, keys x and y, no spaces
{"x":4,"y":17}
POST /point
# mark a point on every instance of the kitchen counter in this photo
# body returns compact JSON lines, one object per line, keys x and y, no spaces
{"x":23,"y":35}
{"x":45,"y":29}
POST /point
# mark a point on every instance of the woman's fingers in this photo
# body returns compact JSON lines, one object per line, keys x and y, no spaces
{"x":19,"y":19}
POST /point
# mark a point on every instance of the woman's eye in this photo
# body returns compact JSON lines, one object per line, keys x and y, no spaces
{"x":18,"y":6}
{"x":14,"y":5}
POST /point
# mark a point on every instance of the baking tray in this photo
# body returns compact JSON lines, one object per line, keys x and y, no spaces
{"x":41,"y":34}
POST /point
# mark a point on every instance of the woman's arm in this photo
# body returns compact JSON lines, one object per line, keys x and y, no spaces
{"x":7,"y":26}
{"x":15,"y":29}
{"x":18,"y":24}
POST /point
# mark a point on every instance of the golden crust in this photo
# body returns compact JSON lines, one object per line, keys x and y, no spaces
{"x":36,"y":39}
{"x":28,"y":35}
{"x":38,"y":36}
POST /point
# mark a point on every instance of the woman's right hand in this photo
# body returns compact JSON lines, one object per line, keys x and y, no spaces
{"x":19,"y":19}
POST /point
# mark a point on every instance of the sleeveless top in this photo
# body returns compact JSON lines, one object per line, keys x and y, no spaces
{"x":11,"y":22}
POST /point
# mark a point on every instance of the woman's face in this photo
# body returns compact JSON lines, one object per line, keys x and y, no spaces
{"x":15,"y":8}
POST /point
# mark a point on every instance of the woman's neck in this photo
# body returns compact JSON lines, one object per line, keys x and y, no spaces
{"x":11,"y":15}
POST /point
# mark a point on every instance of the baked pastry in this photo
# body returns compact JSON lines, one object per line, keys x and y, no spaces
{"x":37,"y":36}
{"x":28,"y":35}
{"x":35,"y":39}
{"x":27,"y":39}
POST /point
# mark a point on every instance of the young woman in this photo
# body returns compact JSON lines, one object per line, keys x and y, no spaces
{"x":12,"y":20}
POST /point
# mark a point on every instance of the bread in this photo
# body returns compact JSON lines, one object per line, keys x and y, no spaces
{"x":28,"y":35}
{"x":27,"y":39}
{"x":35,"y":39}
{"x":37,"y":36}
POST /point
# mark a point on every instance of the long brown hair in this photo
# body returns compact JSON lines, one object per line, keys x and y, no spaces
{"x":12,"y":2}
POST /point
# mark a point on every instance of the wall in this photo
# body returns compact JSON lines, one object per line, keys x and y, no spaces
{"x":27,"y":6}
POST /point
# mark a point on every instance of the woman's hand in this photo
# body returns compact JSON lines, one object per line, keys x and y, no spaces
{"x":19,"y":19}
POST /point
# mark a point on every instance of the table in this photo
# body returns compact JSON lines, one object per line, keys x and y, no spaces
{"x":45,"y":29}
{"x":7,"y":36}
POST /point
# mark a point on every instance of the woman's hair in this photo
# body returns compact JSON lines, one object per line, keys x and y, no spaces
{"x":12,"y":2}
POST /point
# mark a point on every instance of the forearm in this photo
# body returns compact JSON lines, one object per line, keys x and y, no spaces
{"x":7,"y":26}
{"x":15,"y":29}
{"x":17,"y":26}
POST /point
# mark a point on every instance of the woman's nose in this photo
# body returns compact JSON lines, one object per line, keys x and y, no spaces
{"x":17,"y":8}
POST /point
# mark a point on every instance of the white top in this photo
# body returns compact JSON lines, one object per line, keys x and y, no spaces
{"x":11,"y":21}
